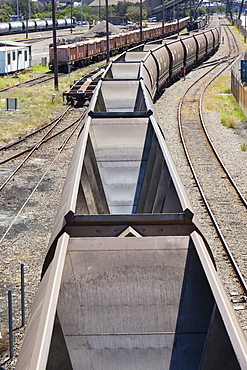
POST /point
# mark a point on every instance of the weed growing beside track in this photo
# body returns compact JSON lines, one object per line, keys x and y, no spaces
{"x":218,"y":98}
{"x":36,"y":106}
{"x":14,"y":79}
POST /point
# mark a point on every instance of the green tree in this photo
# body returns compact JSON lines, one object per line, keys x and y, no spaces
{"x":111,"y":11}
{"x":121,"y":7}
{"x":5,"y":11}
{"x":201,"y":11}
{"x":133,"y":13}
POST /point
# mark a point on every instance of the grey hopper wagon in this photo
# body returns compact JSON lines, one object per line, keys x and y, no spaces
{"x":129,"y":281}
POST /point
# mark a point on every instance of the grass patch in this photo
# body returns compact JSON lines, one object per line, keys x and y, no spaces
{"x":244,"y":147}
{"x":218,"y":98}
{"x":35,"y":106}
{"x":17,"y":78}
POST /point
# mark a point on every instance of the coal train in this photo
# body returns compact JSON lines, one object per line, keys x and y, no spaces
{"x":33,"y":25}
{"x":81,"y":53}
{"x":129,"y":281}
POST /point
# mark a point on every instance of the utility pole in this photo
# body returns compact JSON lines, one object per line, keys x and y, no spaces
{"x":81,"y":14}
{"x":163,"y":20}
{"x":55,"y":66}
{"x":107,"y":33}
{"x":140,"y":20}
{"x":17,"y":9}
{"x":71,"y":9}
{"x":27,"y":22}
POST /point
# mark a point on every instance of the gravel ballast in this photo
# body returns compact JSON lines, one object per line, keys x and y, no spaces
{"x":27,"y":242}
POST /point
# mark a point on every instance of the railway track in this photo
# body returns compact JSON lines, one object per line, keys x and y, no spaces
{"x":33,"y":141}
{"x":40,"y":150}
{"x":33,"y":133}
{"x":218,"y":190}
{"x":33,"y":81}
{"x":120,"y":332}
{"x":29,"y":201}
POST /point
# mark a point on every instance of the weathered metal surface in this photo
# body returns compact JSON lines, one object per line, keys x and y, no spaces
{"x":37,"y":341}
{"x":237,"y":87}
{"x":84,"y":87}
{"x":138,"y":287}
{"x":140,"y":281}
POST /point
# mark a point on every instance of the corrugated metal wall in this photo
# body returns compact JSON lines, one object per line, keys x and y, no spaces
{"x":238,"y":89}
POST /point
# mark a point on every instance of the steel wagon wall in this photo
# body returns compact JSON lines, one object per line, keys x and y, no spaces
{"x":239,"y":90}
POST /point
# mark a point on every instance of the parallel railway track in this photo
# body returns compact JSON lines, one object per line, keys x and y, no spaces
{"x":157,"y":286}
{"x":151,"y":290}
{"x":32,"y":81}
{"x":218,"y":190}
{"x":39,"y":152}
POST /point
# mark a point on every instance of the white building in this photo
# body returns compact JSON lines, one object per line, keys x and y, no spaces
{"x":14,"y":57}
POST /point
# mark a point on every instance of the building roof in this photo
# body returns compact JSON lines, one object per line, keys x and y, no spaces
{"x":12,"y":43}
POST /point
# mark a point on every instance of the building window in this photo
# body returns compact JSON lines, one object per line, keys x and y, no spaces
{"x":9,"y":59}
{"x":25,"y":55}
{"x":13,"y":55}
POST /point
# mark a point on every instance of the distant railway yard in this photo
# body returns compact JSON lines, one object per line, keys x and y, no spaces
{"x":33,"y":172}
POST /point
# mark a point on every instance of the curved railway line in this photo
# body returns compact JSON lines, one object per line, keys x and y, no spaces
{"x":33,"y":137}
{"x":122,"y":182}
{"x":68,"y":123}
{"x":219,"y":192}
{"x":142,"y":229}
{"x":33,"y":81}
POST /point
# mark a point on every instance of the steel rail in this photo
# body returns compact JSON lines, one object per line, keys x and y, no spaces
{"x":210,"y":64}
{"x":44,"y":174}
{"x":36,"y":146}
{"x":33,"y":81}
{"x":242,"y":198}
{"x":234,"y":38}
{"x":223,"y":241}
{"x":25,"y":137}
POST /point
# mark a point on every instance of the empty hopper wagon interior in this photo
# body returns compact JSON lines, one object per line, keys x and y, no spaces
{"x":129,"y":282}
{"x":128,"y":277}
